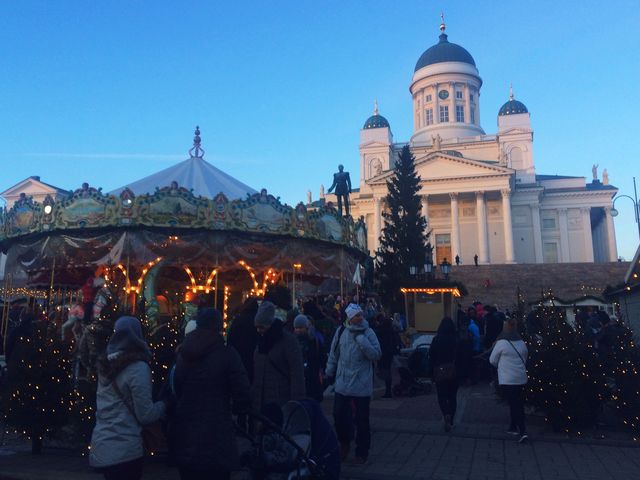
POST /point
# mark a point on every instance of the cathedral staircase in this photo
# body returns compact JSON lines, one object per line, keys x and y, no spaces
{"x":500,"y":284}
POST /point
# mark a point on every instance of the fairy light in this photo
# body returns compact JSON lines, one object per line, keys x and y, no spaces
{"x":454,"y":291}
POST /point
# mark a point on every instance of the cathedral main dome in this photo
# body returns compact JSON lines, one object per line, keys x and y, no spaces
{"x":444,"y":51}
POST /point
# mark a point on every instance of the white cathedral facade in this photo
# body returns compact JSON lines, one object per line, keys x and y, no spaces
{"x":480,"y":192}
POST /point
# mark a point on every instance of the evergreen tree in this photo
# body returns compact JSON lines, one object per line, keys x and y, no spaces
{"x":403,"y":242}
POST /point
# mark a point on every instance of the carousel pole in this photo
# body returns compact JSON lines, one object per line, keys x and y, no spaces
{"x":126,"y":281}
{"x":5,"y":314}
{"x":293,"y":290}
{"x":53,"y":271}
{"x":215,"y":293}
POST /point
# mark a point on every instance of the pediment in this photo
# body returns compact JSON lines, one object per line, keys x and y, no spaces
{"x":374,"y":143}
{"x":28,"y":185}
{"x":440,"y":165}
{"x":515,"y":131}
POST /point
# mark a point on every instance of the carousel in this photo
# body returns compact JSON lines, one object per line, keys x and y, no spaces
{"x":186,"y":236}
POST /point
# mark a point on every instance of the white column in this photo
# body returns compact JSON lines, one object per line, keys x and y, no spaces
{"x":509,"y":254}
{"x":481,"y":213}
{"x":425,"y":207}
{"x":611,"y":236}
{"x":467,"y":103}
{"x":565,"y":254}
{"x":452,"y":104}
{"x":377,"y":222}
{"x":588,"y":238}
{"x":537,"y":233}
{"x":436,"y":105}
{"x":455,"y":228}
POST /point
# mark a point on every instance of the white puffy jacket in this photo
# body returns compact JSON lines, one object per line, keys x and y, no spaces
{"x":352,"y":362}
{"x":511,"y":365}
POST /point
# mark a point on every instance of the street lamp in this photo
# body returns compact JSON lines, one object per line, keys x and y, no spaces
{"x":446,"y":268}
{"x":428,"y":262}
{"x":413,"y":270}
{"x":636,"y":206}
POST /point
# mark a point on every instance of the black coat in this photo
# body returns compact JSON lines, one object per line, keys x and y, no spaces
{"x":311,"y":355}
{"x":244,"y":338}
{"x":209,"y":377}
{"x":444,"y":349}
{"x":389,"y":345}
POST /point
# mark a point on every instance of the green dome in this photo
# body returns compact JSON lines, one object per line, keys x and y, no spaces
{"x":376,"y":121}
{"x":444,"y":51}
{"x":512,"y":107}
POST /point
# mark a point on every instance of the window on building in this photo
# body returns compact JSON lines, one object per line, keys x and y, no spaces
{"x":549,"y":223}
{"x":459,"y":113}
{"x":550,"y":252}
{"x":444,"y":113}
{"x":429,"y":116}
{"x":471,"y":97}
{"x":427,"y":98}
{"x":459,"y":94}
{"x":472,"y":114}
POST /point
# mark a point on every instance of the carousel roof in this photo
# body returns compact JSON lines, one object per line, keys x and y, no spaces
{"x":195,"y":174}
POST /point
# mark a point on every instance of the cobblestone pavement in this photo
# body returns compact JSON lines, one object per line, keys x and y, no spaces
{"x":409,"y":443}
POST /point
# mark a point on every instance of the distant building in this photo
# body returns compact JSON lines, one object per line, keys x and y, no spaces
{"x":480,"y":192}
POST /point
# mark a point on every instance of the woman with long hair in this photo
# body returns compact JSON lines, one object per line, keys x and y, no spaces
{"x":123,"y":403}
{"x":442,"y":364}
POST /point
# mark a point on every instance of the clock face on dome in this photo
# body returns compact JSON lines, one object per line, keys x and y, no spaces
{"x":443,"y":94}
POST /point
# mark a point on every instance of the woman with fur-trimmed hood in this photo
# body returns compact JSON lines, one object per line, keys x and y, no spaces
{"x":123,"y":403}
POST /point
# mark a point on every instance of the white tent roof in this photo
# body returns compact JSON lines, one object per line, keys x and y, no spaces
{"x":193,"y":174}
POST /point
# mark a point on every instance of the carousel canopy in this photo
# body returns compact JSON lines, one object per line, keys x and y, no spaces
{"x":195,"y":174}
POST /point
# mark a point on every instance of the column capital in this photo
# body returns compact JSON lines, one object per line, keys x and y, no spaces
{"x":505,"y":192}
{"x":535,"y":206}
{"x":585,"y":209}
{"x":453,"y":195}
{"x":424,"y":197}
{"x":562,"y":211}
{"x":480,"y":194}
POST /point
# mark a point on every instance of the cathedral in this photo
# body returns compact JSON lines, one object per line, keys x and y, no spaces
{"x":480,"y":192}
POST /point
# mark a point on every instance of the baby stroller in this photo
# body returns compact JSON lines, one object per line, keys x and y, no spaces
{"x":413,"y":377}
{"x":295,"y":442}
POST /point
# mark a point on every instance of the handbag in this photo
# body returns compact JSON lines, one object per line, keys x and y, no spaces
{"x":153,"y":437}
{"x":444,"y":372}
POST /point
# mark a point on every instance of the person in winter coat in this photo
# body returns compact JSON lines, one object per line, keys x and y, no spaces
{"x":353,"y":350}
{"x":389,"y":346}
{"x":494,"y":325}
{"x":509,"y":356}
{"x":278,"y":368}
{"x":442,"y":365}
{"x":311,"y":355}
{"x":209,"y":378}
{"x":123,"y":403}
{"x":243,"y":336}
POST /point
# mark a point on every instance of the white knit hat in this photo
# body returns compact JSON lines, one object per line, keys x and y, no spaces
{"x":352,"y":310}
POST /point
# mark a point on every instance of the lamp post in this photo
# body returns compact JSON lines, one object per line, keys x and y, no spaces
{"x":428,"y":262}
{"x":296,"y":267}
{"x":636,"y":206}
{"x":446,"y":268}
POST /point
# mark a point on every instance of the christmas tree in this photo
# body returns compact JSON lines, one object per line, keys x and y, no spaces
{"x":402,"y":243}
{"x":36,"y":398}
{"x":567,"y":380}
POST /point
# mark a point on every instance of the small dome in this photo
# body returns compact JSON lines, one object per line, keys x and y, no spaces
{"x":444,"y":51}
{"x":512,"y":107}
{"x":376,"y":121}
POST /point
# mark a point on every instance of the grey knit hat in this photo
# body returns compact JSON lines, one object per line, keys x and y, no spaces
{"x":266,"y":314}
{"x":301,"y":321}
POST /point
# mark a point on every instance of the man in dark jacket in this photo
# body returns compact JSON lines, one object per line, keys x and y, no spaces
{"x":278,"y":368}
{"x":209,"y":377}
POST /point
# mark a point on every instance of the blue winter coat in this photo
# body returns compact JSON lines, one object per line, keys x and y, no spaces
{"x":351,"y":362}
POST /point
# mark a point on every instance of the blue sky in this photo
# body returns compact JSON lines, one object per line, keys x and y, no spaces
{"x":110,"y":91}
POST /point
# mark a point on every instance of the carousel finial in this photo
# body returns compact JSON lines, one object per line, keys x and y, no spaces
{"x":196,"y":150}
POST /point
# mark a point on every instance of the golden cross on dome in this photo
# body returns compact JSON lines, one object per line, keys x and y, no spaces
{"x":442,"y":24}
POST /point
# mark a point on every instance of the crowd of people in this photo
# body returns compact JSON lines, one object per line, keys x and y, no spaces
{"x":272,"y":354}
